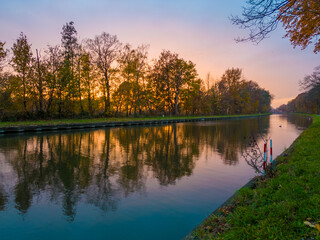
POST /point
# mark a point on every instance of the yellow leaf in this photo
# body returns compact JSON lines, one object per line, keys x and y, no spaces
{"x":309,"y":224}
{"x":318,"y":226}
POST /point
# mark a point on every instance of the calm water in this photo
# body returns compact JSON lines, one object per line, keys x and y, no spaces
{"x":127,"y":183}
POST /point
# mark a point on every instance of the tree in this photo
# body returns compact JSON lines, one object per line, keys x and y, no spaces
{"x":311,"y":100}
{"x":127,"y":68}
{"x":71,"y":79}
{"x":229,"y":86}
{"x":133,"y":67}
{"x":141,"y":68}
{"x":254,"y":99}
{"x":53,"y":63}
{"x":69,"y":40}
{"x":312,"y":80}
{"x":78,"y":76}
{"x":184,"y":78}
{"x":3,"y":54}
{"x":21,"y":61}
{"x":88,"y":79}
{"x":214,"y":99}
{"x":66,"y":80}
{"x":191,"y":97}
{"x":300,"y":18}
{"x":161,"y":82}
{"x":6,"y":86}
{"x":123,"y":97}
{"x":170,"y":76}
{"x":105,"y":49}
{"x":41,"y":70}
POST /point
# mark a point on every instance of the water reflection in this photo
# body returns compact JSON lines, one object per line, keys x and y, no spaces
{"x":3,"y":198}
{"x":103,"y":166}
{"x":299,"y":120}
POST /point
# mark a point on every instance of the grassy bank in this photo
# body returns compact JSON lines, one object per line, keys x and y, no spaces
{"x":280,"y":207}
{"x":103,"y":120}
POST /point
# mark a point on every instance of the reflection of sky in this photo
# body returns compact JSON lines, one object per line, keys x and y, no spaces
{"x":282,"y":136}
{"x":197,"y":30}
{"x":132,"y":200}
{"x":6,"y":171}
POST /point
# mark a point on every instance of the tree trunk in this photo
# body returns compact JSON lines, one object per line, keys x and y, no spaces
{"x":60,"y":99}
{"x":24,"y":94}
{"x":40,"y":87}
{"x":176,"y":102}
{"x":51,"y":90}
{"x":176,"y":99}
{"x":137,"y":92}
{"x":107,"y":102}
{"x":89,"y":102}
{"x":79,"y":89}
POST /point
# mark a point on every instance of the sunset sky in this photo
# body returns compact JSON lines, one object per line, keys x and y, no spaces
{"x":199,"y":30}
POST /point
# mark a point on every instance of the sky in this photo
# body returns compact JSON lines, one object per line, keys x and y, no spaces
{"x":198,"y":30}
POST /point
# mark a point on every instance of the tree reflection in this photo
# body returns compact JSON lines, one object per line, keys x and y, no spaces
{"x":101,"y":167}
{"x":3,"y":194}
{"x":299,"y":120}
{"x":3,"y":199}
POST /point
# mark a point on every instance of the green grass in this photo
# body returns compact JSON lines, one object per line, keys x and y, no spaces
{"x":277,"y":207}
{"x":98,"y":120}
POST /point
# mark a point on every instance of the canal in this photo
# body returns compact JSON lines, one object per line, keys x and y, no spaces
{"x":153,"y":182}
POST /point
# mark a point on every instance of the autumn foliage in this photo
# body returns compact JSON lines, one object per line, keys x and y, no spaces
{"x":300,"y":19}
{"x":103,"y":77}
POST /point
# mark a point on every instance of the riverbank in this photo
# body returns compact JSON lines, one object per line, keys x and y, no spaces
{"x":283,"y":207}
{"x":68,"y":124}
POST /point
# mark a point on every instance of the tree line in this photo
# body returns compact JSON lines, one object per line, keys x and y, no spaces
{"x":103,"y":77}
{"x":309,"y":100}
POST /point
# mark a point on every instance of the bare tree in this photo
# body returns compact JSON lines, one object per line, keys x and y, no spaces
{"x":311,"y":81}
{"x":105,"y":49}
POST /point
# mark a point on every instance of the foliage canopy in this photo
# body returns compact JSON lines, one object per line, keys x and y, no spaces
{"x":300,"y":19}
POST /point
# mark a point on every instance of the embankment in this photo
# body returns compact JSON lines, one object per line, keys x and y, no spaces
{"x":280,"y":207}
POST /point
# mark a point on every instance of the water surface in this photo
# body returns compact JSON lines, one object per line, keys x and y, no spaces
{"x":128,"y":183}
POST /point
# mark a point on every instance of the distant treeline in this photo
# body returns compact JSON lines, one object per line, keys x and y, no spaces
{"x":103,"y":77}
{"x":308,"y":101}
